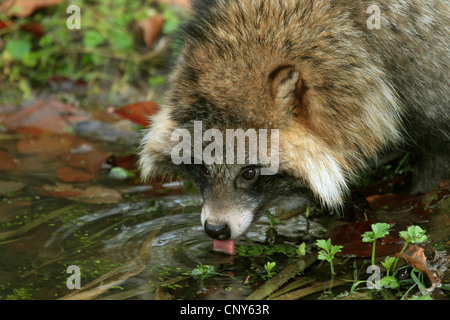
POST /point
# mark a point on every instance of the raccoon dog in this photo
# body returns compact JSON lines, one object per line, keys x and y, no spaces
{"x":337,"y":90}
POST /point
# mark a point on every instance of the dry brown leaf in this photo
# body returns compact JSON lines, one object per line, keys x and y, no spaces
{"x":7,"y":161}
{"x":23,"y":8}
{"x":415,"y":256}
{"x":46,"y":147}
{"x":70,"y":174}
{"x":47,"y":115}
{"x":91,"y":161}
{"x":93,"y":194}
{"x":150,"y":28}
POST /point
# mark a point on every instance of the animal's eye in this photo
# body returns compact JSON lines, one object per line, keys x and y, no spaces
{"x":204,"y":170}
{"x":250,"y":174}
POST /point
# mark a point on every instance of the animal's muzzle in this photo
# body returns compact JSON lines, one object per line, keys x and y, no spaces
{"x":217,"y":231}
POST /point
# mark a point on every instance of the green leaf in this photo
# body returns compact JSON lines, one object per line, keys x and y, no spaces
{"x":368,"y":236}
{"x":120,"y":173}
{"x":380,"y":229}
{"x":269,"y":266}
{"x":389,"y":282}
{"x":121,"y":40}
{"x":324,"y":244}
{"x":388,"y":262}
{"x":171,"y":21}
{"x":335,"y":249}
{"x":414,"y":234}
{"x":203,"y":271}
{"x":18,"y":47}
{"x":323,"y":255}
{"x":328,"y":251}
{"x":45,"y":40}
{"x":30,"y":59}
{"x":301,"y":250}
{"x":88,"y":58}
{"x":92,"y":39}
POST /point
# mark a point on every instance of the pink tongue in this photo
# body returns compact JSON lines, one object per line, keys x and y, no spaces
{"x":225,"y":246}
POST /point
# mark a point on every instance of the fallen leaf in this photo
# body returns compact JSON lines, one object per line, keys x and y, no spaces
{"x":391,"y":202}
{"x":91,"y":161}
{"x":46,"y":146}
{"x":138,"y":112}
{"x":83,"y":164}
{"x":99,"y":195}
{"x":33,"y":28}
{"x":92,"y":194}
{"x":349,"y":236}
{"x":24,"y":8}
{"x":150,"y":29}
{"x":47,"y":115}
{"x":415,"y":256}
{"x":7,"y":161}
{"x":127,"y":162}
{"x":5,"y":24}
{"x":409,"y":209}
{"x":70,"y":174}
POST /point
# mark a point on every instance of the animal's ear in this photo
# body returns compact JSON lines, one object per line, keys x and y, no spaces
{"x":287,"y":89}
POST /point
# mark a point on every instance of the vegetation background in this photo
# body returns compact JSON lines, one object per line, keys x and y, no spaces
{"x":122,"y":48}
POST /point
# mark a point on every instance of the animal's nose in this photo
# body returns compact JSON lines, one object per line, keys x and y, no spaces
{"x":218,"y":231}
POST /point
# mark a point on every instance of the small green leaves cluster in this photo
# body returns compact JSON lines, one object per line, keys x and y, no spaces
{"x":328,"y":251}
{"x":202,"y":272}
{"x":414,"y":234}
{"x":269,"y":266}
{"x":379,"y":230}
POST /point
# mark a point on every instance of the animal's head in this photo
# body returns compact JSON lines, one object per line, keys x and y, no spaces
{"x":242,"y":67}
{"x":245,"y":150}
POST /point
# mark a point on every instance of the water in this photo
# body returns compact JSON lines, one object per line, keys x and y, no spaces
{"x":164,"y":234}
{"x":60,"y":210}
{"x":124,"y":240}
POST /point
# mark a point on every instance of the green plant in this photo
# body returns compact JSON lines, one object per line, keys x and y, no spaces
{"x":273,"y":220}
{"x":419,"y":283}
{"x":379,"y":230}
{"x":104,"y":53}
{"x":301,"y":250}
{"x":328,"y":251}
{"x":387,"y":264}
{"x":414,"y":234}
{"x":269,"y":266}
{"x":202,"y":272}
